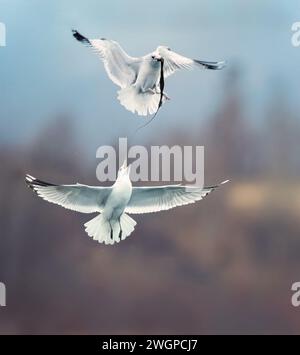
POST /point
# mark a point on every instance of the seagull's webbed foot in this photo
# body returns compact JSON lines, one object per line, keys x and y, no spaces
{"x":166,"y":96}
{"x":120,"y":233}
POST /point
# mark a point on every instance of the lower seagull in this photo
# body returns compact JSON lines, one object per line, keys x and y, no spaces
{"x":114,"y":203}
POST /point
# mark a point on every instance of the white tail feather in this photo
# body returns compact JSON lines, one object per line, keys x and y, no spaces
{"x":135,"y":101}
{"x":108,"y":232}
{"x":127,"y":225}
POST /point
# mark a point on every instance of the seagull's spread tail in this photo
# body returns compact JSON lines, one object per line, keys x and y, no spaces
{"x":110,"y":232}
{"x":134,"y":100}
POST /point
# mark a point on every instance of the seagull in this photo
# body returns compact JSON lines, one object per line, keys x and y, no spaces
{"x":114,"y":203}
{"x":141,"y":79}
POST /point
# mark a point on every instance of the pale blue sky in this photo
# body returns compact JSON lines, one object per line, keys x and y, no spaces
{"x":44,"y":71}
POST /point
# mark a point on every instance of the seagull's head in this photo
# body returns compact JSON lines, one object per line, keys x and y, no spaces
{"x":156,"y":57}
{"x":124,"y":170}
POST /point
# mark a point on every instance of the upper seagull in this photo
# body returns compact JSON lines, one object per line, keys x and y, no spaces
{"x":141,"y":79}
{"x":113,"y":224}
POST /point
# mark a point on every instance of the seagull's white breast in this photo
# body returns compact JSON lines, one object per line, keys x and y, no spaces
{"x":119,"y":198}
{"x":149,"y":74}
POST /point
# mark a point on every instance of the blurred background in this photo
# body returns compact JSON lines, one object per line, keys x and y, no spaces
{"x":222,"y":266}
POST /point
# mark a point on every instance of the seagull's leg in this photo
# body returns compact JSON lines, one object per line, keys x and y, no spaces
{"x":152,"y":91}
{"x":149,"y":90}
{"x":111,"y":232}
{"x":157,"y":91}
{"x":120,"y":234}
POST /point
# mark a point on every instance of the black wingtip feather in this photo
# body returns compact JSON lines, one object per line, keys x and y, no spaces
{"x":28,"y":184}
{"x":80,"y":37}
{"x":33,"y":182}
{"x":42,"y":183}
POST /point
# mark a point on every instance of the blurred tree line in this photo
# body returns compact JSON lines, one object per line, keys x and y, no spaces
{"x":223,"y":265}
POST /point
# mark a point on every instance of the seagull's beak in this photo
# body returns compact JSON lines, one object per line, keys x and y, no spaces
{"x":124,"y":166}
{"x":157,"y":57}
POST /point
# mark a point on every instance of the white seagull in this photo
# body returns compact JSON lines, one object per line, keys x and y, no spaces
{"x":141,"y":79}
{"x":114,"y":203}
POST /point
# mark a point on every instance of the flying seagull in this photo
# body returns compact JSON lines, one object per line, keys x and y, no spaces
{"x":141,"y":79}
{"x":114,"y":203}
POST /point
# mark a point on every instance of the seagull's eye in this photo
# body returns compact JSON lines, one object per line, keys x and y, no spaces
{"x":169,"y":49}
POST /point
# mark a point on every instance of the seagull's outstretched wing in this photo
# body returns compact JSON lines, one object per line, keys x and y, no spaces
{"x":80,"y":198}
{"x":159,"y":198}
{"x":120,"y":67}
{"x":174,"y":61}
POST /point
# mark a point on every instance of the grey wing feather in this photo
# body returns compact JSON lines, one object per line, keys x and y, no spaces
{"x":120,"y":67}
{"x":174,"y":61}
{"x":155,"y":199}
{"x":210,"y":65}
{"x":80,"y":198}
